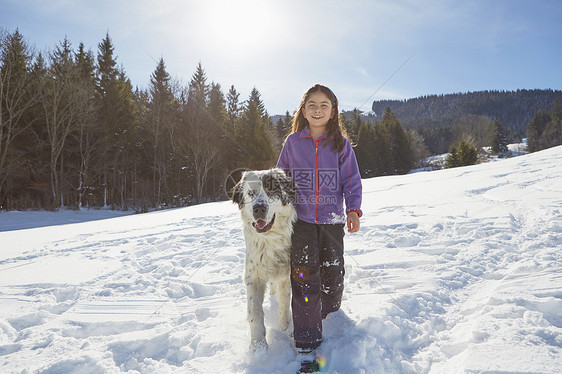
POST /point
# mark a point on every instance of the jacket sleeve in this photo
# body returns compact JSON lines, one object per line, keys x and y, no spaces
{"x":351,"y":180}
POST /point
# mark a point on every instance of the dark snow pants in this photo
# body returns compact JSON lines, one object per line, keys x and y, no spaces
{"x":317,"y":272}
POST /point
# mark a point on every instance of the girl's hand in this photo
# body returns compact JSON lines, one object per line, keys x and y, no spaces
{"x":353,"y":222}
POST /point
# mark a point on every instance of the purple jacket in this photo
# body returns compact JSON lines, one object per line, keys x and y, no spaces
{"x":323,"y":176}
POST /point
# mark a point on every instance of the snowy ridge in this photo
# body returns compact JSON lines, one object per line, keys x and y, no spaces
{"x":453,"y":271}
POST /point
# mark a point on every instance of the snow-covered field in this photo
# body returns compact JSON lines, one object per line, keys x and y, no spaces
{"x":453,"y":271}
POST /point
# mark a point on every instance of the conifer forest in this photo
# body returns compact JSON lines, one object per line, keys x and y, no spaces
{"x":75,"y":133}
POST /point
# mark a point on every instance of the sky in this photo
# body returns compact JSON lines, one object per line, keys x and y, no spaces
{"x":362,"y":50}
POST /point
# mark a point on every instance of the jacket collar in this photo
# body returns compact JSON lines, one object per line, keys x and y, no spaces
{"x":305,"y":133}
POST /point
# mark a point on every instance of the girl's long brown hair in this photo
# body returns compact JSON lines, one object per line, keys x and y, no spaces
{"x":335,"y":130}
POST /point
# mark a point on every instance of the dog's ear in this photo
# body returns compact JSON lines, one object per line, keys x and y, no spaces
{"x":238,"y":195}
{"x":288,"y":190}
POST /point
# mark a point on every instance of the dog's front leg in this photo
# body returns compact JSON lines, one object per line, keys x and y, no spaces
{"x":284,"y":300}
{"x":255,"y":294}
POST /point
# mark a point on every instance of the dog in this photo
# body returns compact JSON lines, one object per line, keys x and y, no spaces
{"x":265,"y":199}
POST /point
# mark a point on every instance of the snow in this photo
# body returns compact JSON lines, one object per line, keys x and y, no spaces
{"x":453,"y":271}
{"x":16,"y":220}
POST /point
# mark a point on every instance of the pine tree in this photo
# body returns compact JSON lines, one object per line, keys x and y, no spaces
{"x":116,"y":117}
{"x":288,"y":120}
{"x":143,"y":188}
{"x":233,"y":112}
{"x":354,"y":125}
{"x":535,"y":130}
{"x":18,"y":96}
{"x":499,"y":143}
{"x":364,"y":151}
{"x":255,"y":99}
{"x":373,"y":151}
{"x":217,"y":106}
{"x":400,"y":148}
{"x":160,"y":129}
{"x":85,"y":62}
{"x":198,"y":92}
{"x":383,"y":149}
{"x":39,"y":153}
{"x":233,"y":108}
{"x":552,"y":134}
{"x":218,"y":113}
{"x":253,"y":141}
{"x":106,"y":97}
{"x":160,"y":90}
{"x":280,"y":128}
{"x":382,"y":155}
{"x":464,"y":155}
{"x":467,"y":153}
{"x":453,"y":159}
{"x":127,"y":134}
{"x":106,"y":72}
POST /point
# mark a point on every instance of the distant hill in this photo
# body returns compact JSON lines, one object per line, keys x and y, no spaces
{"x":443,"y":119}
{"x":513,"y":108}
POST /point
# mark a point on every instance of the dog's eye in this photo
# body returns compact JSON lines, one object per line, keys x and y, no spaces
{"x":251,"y":193}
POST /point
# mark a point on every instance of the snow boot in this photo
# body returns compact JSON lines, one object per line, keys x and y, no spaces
{"x":307,"y":358}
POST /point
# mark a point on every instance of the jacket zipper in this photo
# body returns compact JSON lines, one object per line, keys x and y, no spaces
{"x":317,"y":142}
{"x":317,"y":180}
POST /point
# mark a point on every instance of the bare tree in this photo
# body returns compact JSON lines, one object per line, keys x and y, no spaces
{"x":65,"y":103}
{"x":200,"y":132}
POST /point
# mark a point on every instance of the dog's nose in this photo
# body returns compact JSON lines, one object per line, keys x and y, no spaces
{"x":260,"y":210}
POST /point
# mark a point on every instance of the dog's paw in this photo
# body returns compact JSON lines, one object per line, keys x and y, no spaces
{"x":258,"y":345}
{"x":258,"y":350}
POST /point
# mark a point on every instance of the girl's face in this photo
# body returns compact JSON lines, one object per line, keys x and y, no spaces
{"x":318,"y":110}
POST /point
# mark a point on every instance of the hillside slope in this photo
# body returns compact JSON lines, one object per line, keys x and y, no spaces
{"x":457,"y":270}
{"x":513,"y":108}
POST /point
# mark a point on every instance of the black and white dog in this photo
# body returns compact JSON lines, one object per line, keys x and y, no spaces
{"x":265,"y":200}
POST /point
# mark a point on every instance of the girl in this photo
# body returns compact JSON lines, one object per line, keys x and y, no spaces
{"x":319,"y":157}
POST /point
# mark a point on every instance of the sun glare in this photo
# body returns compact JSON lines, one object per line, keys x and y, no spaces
{"x":240,"y":26}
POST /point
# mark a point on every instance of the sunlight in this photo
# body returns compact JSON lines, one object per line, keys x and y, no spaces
{"x":240,"y":26}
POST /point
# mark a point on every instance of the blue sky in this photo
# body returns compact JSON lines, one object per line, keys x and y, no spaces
{"x":283,"y":47}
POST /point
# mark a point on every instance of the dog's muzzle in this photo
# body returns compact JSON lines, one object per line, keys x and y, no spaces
{"x":260,"y":210}
{"x":261,"y":226}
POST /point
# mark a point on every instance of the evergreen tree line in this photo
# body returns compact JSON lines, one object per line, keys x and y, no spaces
{"x":75,"y":133}
{"x":385,"y":147}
